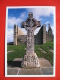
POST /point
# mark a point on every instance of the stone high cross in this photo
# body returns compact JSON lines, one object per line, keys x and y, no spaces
{"x":30,"y":25}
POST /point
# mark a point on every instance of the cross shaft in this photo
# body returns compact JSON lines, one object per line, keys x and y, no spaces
{"x":30,"y":25}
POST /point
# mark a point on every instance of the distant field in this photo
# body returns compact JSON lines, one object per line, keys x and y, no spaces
{"x":19,"y":51}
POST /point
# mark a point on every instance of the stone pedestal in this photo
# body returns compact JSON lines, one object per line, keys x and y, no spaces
{"x":30,"y":61}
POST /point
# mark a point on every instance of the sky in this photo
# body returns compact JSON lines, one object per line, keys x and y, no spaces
{"x":17,"y":15}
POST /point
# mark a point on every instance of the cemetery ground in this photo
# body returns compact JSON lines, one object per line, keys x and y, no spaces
{"x":43,"y":51}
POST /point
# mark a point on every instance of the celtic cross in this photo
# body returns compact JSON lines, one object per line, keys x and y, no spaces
{"x":30,"y":25}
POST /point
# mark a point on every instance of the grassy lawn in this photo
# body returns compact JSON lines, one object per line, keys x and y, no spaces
{"x":19,"y":51}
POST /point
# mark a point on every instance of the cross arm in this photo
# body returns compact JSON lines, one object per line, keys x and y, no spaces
{"x":38,"y":24}
{"x":24,"y":25}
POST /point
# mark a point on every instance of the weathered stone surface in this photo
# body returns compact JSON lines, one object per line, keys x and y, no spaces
{"x":45,"y":63}
{"x":40,"y":59}
{"x":12,"y":71}
{"x":30,"y":59}
{"x":10,"y":51}
{"x":51,"y":51}
{"x":49,"y":30}
{"x":40,"y":49}
{"x":32,"y":71}
{"x":44,"y":69}
{"x":17,"y":35}
{"x":49,"y":35}
{"x":44,"y":33}
{"x":41,"y":37}
{"x":18,"y":59}
{"x":47,"y":71}
{"x":43,"y":51}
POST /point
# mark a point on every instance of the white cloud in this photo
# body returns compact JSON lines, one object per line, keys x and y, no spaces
{"x":47,"y":22}
{"x":22,"y":15}
{"x":24,"y":31}
{"x":14,"y":20}
{"x":9,"y":35}
{"x":36,"y":31}
{"x":38,"y":12}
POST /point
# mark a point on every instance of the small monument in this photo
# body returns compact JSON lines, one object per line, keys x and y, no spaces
{"x":30,"y":60}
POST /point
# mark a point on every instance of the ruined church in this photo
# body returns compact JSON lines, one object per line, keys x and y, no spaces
{"x":40,"y":38}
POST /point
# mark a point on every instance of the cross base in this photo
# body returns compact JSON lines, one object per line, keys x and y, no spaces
{"x":30,"y":61}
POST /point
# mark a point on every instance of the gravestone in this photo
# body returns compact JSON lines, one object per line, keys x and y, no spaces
{"x":30,"y":60}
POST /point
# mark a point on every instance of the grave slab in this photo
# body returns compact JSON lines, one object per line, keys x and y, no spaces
{"x":10,"y":51}
{"x":51,"y":51}
{"x":45,"y":63}
{"x":43,"y":52}
{"x":45,"y":68}
{"x":40,"y":49}
{"x":42,"y":59}
{"x":18,"y":59}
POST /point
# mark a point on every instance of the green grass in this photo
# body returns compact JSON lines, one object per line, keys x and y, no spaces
{"x":19,"y":51}
{"x":46,"y":47}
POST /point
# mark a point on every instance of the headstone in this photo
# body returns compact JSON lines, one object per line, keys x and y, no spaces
{"x":30,"y":59}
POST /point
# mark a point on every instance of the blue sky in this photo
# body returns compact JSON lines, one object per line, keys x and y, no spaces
{"x":17,"y":15}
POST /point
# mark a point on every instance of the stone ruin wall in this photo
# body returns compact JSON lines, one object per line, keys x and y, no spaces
{"x":41,"y":37}
{"x":49,"y":37}
{"x":19,"y":36}
{"x":21,"y":39}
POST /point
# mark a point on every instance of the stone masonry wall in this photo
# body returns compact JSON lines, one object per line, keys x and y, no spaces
{"x":42,"y":36}
{"x":21,"y":39}
{"x":44,"y":33}
{"x":49,"y":37}
{"x":15,"y":34}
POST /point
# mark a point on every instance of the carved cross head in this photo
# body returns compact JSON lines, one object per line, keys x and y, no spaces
{"x":30,"y":15}
{"x":30,"y":22}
